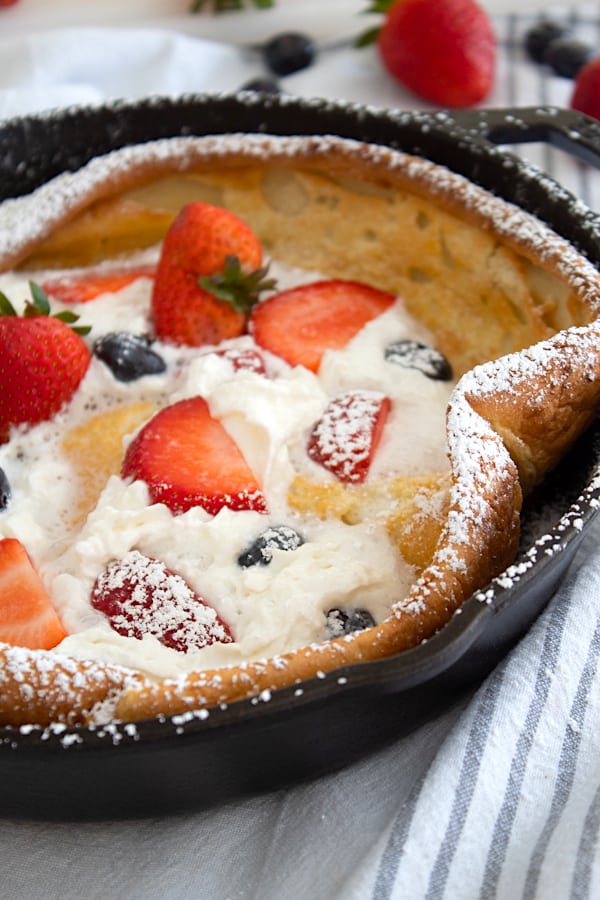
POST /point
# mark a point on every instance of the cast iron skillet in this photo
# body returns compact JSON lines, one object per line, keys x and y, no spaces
{"x":198,"y":760}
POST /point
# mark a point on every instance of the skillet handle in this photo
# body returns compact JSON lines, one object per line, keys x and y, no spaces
{"x":567,"y":129}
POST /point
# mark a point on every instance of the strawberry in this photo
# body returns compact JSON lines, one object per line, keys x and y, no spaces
{"x":208,"y":278}
{"x":244,"y":360}
{"x":42,"y":361}
{"x":300,"y":324}
{"x":188,"y":459}
{"x":88,"y":285}
{"x":141,"y":596}
{"x":27,"y":617}
{"x":442,"y":50}
{"x":345,"y":438}
{"x":586,"y":93}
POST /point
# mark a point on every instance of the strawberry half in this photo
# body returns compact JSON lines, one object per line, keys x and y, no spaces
{"x":345,"y":438}
{"x":42,"y":361}
{"x":442,"y":50}
{"x":27,"y":617}
{"x":86,"y":286}
{"x":300,"y":324}
{"x":141,"y":596}
{"x":208,"y":278}
{"x":188,"y":459}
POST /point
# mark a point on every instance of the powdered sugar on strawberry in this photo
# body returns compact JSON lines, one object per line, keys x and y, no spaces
{"x":141,"y":596}
{"x":345,"y":438}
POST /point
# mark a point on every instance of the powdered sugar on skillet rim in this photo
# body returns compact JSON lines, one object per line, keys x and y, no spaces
{"x":517,"y":226}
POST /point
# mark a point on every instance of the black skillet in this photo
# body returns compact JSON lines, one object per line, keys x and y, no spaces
{"x":165,"y":765}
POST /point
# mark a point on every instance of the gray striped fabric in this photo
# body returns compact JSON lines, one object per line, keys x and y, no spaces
{"x":522,"y":83}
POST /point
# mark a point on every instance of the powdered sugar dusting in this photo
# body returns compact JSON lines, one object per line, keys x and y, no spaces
{"x":76,"y":691}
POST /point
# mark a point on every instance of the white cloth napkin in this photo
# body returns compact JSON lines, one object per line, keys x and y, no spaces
{"x":51,"y":69}
{"x":497,"y":798}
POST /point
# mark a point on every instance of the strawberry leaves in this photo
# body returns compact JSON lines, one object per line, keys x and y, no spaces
{"x":39,"y":305}
{"x":378,"y":7}
{"x":241,"y":289}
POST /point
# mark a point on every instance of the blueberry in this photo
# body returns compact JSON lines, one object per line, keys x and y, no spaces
{"x":289,"y":52}
{"x":260,"y":552}
{"x":344,"y":621}
{"x":566,"y":56}
{"x":5,"y":491}
{"x":128,"y":356}
{"x":415,"y":355}
{"x":262,"y":86}
{"x":539,"y":36}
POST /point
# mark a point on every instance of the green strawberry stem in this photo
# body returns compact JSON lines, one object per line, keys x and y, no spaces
{"x":6,"y":307}
{"x":380,"y":7}
{"x":241,"y":289}
{"x":39,"y":305}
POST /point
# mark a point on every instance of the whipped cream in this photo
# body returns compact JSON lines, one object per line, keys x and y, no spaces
{"x":269,"y":609}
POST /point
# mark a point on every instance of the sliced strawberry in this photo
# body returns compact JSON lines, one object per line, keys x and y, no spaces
{"x":141,"y":596}
{"x":345,"y":438}
{"x":188,"y":459}
{"x":86,"y":286}
{"x":244,"y":360}
{"x":300,"y":324}
{"x":27,"y":617}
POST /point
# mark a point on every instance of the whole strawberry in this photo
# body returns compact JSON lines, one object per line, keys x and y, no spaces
{"x":586,"y":94}
{"x":208,"y":278}
{"x":442,"y":50}
{"x":42,"y":361}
